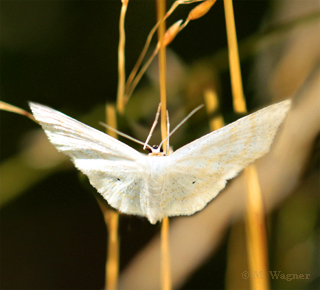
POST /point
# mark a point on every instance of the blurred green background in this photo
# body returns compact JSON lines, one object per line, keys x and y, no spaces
{"x":64,"y":54}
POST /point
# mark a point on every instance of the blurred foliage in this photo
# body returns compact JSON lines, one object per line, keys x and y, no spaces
{"x":63,"y":54}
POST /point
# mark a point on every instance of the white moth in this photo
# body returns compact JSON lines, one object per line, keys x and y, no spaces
{"x":155,"y":185}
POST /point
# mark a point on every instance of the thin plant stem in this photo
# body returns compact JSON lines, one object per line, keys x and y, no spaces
{"x":139,"y":61}
{"x":168,"y":37}
{"x":255,"y":224}
{"x":165,"y":254}
{"x":139,"y":75}
{"x":134,"y":78}
{"x":149,"y":38}
{"x":162,"y":69}
{"x":256,"y":231}
{"x":212,"y":105}
{"x":262,"y":40}
{"x":235,"y":71}
{"x":112,"y":265}
{"x":155,"y":122}
{"x":121,"y":58}
{"x":112,"y":219}
{"x":13,"y":109}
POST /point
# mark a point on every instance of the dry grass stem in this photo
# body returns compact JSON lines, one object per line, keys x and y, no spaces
{"x":111,"y":119}
{"x":262,"y":40}
{"x":111,"y":219}
{"x":138,"y":77}
{"x":235,"y":72}
{"x":112,"y":266}
{"x":168,"y":37}
{"x":165,"y":253}
{"x":135,"y":69}
{"x":134,"y":76}
{"x":13,"y":109}
{"x":256,"y":231}
{"x":212,"y":105}
{"x":162,"y":69}
{"x":255,"y":224}
{"x":121,"y":58}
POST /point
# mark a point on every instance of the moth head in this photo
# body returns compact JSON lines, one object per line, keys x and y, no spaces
{"x":155,"y":150}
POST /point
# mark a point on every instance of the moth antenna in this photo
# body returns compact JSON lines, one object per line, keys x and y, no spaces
{"x":182,"y":122}
{"x":125,"y":135}
{"x":168,"y":132}
{"x":153,"y":127}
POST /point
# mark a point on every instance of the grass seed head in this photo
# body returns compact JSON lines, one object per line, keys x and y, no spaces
{"x":170,"y":33}
{"x":201,"y":9}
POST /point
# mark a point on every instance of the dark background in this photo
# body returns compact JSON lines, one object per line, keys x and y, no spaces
{"x":64,"y":54}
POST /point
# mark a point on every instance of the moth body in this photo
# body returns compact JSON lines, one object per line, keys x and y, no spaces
{"x":151,"y":197}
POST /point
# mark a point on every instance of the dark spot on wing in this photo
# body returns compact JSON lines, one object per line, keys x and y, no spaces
{"x":193,"y":182}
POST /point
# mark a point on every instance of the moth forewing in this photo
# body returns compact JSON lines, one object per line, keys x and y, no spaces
{"x":201,"y":168}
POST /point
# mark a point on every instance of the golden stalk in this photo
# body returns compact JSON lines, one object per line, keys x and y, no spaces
{"x":255,"y":231}
{"x":162,"y":69}
{"x":165,"y":255}
{"x":132,"y":86}
{"x":255,"y":224}
{"x":168,"y":37}
{"x":212,"y":105}
{"x":134,"y":76}
{"x":133,"y":73}
{"x":13,"y":109}
{"x":121,"y":58}
{"x":111,"y":219}
{"x":239,"y":103}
